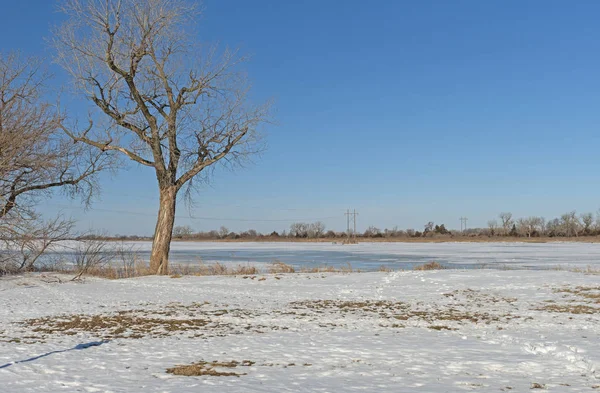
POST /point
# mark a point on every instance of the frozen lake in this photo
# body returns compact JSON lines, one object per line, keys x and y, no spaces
{"x":370,"y":256}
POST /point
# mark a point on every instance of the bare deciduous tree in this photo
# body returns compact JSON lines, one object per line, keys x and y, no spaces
{"x":587,"y":219}
{"x":299,"y":229}
{"x":372,"y":231}
{"x":493,"y":227}
{"x":570,"y":223}
{"x":182,"y":231}
{"x":36,"y":158}
{"x":507,"y":222}
{"x":428,"y":227}
{"x":171,"y":105}
{"x":35,"y":155}
{"x":24,"y":241}
{"x":316,"y":229}
{"x":223,"y":232}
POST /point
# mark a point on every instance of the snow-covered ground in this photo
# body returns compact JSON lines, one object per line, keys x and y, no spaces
{"x":412,"y":331}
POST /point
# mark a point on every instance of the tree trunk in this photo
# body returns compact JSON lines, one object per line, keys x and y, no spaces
{"x":159,"y":260}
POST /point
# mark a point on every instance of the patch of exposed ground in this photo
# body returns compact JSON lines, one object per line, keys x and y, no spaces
{"x":569,"y":308}
{"x":214,"y":369}
{"x":431,"y":314}
{"x":479,"y":298}
{"x":174,"y":318}
{"x":202,"y":320}
{"x":589,"y":294}
{"x":222,"y":369}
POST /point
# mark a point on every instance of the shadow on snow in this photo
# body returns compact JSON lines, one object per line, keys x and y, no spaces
{"x":75,"y":348}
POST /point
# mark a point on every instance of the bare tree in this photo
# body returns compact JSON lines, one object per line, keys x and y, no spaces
{"x":597,"y":221}
{"x":428,"y":227}
{"x":36,"y":158}
{"x":554,"y":228}
{"x":35,"y":155}
{"x":24,"y":241}
{"x":170,"y":104}
{"x":493,"y":227}
{"x":523,"y":227}
{"x":587,"y":219}
{"x":507,"y":222}
{"x":299,"y":229}
{"x":182,"y":231}
{"x":223,"y":232}
{"x":316,"y":229}
{"x":570,"y":223}
{"x":373,"y":231}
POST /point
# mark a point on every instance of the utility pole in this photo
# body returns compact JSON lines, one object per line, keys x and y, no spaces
{"x":351,"y":216}
{"x":347,"y":214}
{"x":354,"y":219}
{"x":463,"y":224}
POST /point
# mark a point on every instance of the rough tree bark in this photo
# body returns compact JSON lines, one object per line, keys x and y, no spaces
{"x":172,"y":105}
{"x":164,"y":231}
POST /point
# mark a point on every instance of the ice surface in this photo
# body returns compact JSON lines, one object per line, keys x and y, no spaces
{"x":370,"y":256}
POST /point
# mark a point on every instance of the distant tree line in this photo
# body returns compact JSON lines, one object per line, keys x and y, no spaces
{"x":569,"y":224}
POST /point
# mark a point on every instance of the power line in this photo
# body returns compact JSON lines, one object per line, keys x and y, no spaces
{"x":463,"y":224}
{"x":155,"y":199}
{"x":195,"y":217}
{"x":351,"y":216}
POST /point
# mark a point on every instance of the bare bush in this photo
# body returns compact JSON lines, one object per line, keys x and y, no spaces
{"x":24,"y":242}
{"x":429,"y":266}
{"x":91,"y":254}
{"x":280,"y":267}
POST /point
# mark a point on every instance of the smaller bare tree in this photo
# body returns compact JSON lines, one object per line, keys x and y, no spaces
{"x":507,"y":222}
{"x":316,"y":229}
{"x":36,"y":158}
{"x":571,"y":224}
{"x":182,"y":231}
{"x":25,"y":241}
{"x":223,"y":232}
{"x":587,"y":219}
{"x":493,"y":227}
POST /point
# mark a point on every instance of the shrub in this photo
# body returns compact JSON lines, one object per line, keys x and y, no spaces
{"x":429,"y":266}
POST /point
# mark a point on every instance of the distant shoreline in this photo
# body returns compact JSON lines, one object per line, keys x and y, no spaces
{"x":478,"y":239}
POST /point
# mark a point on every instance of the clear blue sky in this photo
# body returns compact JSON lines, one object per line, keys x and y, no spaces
{"x":407,"y":111}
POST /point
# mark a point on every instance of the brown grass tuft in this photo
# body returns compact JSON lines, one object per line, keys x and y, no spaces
{"x":203,"y":368}
{"x":278,"y":267}
{"x":429,"y":266}
{"x":569,"y":308}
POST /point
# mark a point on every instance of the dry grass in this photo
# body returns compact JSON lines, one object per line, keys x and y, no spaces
{"x":213,"y":369}
{"x":197,"y":318}
{"x":591,"y":294}
{"x":429,"y":266}
{"x":329,"y":269}
{"x":569,"y":308}
{"x":124,"y":324}
{"x":345,"y":306}
{"x":397,"y":311}
{"x":278,"y":267}
{"x":138,"y":268}
{"x":586,"y":270}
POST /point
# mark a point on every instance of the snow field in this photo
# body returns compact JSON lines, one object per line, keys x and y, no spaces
{"x":433,"y":331}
